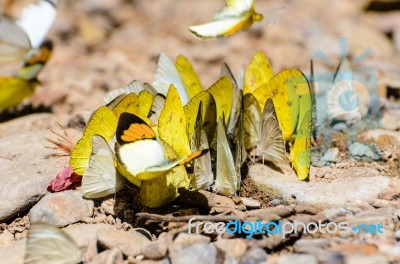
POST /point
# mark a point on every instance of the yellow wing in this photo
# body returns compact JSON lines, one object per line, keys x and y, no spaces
{"x":130,"y":104}
{"x":209,"y":114}
{"x":102,"y":122}
{"x":258,"y":72}
{"x":145,"y":102}
{"x":14,"y":90}
{"x":300,"y":154}
{"x":282,"y":88}
{"x":222,"y":91}
{"x":172,"y":124}
{"x":188,"y":75}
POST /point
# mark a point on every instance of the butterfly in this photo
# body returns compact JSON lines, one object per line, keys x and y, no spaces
{"x":19,"y":39}
{"x":257,"y":73}
{"x":188,"y":75}
{"x":167,"y":74}
{"x":262,"y":133}
{"x":103,"y":122}
{"x":13,"y":90}
{"x":101,"y":178}
{"x":227,"y":180}
{"x":140,"y":152}
{"x":237,"y":15}
{"x":49,"y":244}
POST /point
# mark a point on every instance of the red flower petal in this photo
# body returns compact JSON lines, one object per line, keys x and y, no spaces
{"x":65,"y":179}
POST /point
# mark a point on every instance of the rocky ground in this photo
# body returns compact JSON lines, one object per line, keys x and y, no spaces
{"x":103,"y":45}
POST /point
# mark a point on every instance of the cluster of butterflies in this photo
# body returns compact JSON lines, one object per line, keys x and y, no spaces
{"x":23,"y":39}
{"x":174,"y":134}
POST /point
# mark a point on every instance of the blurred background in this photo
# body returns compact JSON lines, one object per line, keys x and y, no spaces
{"x":101,"y":45}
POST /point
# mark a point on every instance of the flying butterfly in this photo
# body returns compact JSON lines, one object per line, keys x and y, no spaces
{"x":13,"y":90}
{"x":237,"y":15}
{"x":20,"y":39}
{"x":49,"y":244}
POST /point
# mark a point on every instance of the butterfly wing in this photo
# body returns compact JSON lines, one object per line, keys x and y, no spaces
{"x":222,"y":92}
{"x":226,"y":182}
{"x":209,"y":114}
{"x":14,"y":42}
{"x":251,"y":121}
{"x":156,"y":108}
{"x":100,"y":178}
{"x":102,"y":122}
{"x":167,"y":74}
{"x":282,"y":88}
{"x":133,"y":87}
{"x":188,"y":76}
{"x":271,"y":145}
{"x":13,"y":91}
{"x":49,"y":244}
{"x":219,"y":28}
{"x":257,"y":73}
{"x":300,"y":154}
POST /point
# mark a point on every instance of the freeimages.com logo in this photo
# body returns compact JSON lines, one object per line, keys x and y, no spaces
{"x":249,"y":229}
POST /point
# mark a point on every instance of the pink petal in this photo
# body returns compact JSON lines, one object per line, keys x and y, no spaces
{"x":65,"y":179}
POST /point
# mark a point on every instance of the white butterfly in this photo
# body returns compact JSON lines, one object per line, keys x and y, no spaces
{"x":47,"y":244}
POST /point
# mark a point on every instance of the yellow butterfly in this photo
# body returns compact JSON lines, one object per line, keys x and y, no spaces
{"x":49,"y":244}
{"x":262,"y":133}
{"x":13,"y":90}
{"x":101,"y":178}
{"x":300,"y":153}
{"x":188,"y":75}
{"x":222,"y":92}
{"x":282,"y":89}
{"x":257,"y":73}
{"x":133,"y":87}
{"x":209,"y":114}
{"x":103,"y":122}
{"x":237,"y":15}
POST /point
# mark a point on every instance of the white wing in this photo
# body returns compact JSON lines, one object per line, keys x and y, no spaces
{"x":47,"y":244}
{"x":217,"y":28}
{"x":167,"y":74}
{"x":100,"y":178}
{"x":36,"y":19}
{"x":202,"y":166}
{"x":156,"y":108}
{"x":14,"y":42}
{"x":271,"y":145}
{"x":235,"y":8}
{"x":226,"y":181}
{"x":133,"y":87}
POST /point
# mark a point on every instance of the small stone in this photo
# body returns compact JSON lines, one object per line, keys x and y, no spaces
{"x":155,"y":249}
{"x":232,"y":247}
{"x":254,"y":256}
{"x":359,"y":258}
{"x":297,"y":259}
{"x":110,"y":256}
{"x":83,"y":234}
{"x":350,"y":249}
{"x":250,"y":203}
{"x":361,"y":150}
{"x":61,"y":209}
{"x":303,"y":245}
{"x":129,"y":242}
{"x":196,"y":253}
{"x":397,"y":235}
{"x":108,"y":206}
{"x":274,"y":202}
{"x":305,"y":209}
{"x":184,"y":239}
{"x":340,"y":127}
{"x":332,"y":213}
{"x":390,"y":194}
{"x":331,"y":155}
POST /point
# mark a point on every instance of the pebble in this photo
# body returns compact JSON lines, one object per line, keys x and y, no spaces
{"x":250,"y":203}
{"x":129,"y":242}
{"x":340,"y":127}
{"x":26,"y":170}
{"x":155,"y":249}
{"x":254,"y":256}
{"x":361,"y":150}
{"x":83,"y":234}
{"x":298,"y":259}
{"x":390,"y":194}
{"x":196,"y":253}
{"x":331,"y":155}
{"x":61,"y":209}
{"x":235,"y":248}
{"x":110,"y":256}
{"x":274,"y":202}
{"x":358,"y":258}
